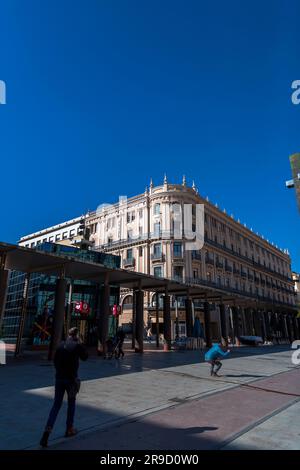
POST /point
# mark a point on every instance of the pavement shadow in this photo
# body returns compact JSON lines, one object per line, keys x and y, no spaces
{"x":245,"y":375}
{"x":199,"y":429}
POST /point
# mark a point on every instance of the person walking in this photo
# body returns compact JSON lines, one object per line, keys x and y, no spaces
{"x":149,"y":335}
{"x":213,"y":356}
{"x":66,"y":362}
{"x":120,"y":341}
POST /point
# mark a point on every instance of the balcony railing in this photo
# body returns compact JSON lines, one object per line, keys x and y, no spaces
{"x":157,"y":257}
{"x":196,"y":256}
{"x":228,"y":268}
{"x":248,"y":259}
{"x":129,"y":262}
{"x":178,"y":256}
{"x":219,"y":264}
{"x":209,"y":260}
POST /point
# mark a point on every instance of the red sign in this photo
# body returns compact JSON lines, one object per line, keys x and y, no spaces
{"x":116,"y":310}
{"x":82,"y":307}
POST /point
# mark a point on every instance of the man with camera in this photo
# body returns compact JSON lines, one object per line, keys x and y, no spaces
{"x":66,"y":362}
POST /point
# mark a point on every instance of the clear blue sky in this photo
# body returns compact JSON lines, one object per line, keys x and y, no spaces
{"x":101,"y":95}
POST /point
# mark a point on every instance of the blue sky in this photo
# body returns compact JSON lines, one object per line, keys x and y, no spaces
{"x":102,"y":95}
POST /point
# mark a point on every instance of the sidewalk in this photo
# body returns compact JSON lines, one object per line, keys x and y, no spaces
{"x":117,"y":392}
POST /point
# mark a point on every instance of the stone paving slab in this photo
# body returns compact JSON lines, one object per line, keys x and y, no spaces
{"x":279,"y":432}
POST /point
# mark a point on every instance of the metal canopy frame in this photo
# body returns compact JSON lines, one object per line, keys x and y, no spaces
{"x":30,"y":260}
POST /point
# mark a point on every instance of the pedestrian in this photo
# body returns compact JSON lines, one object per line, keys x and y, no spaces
{"x":149,"y":335}
{"x":66,"y":362}
{"x":213,"y":356}
{"x":120,"y":341}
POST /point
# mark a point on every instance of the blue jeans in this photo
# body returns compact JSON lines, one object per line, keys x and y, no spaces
{"x":62,"y":386}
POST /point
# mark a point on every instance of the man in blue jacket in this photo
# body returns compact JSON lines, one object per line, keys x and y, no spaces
{"x":213,"y":355}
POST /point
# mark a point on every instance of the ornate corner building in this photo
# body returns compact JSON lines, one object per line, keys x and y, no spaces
{"x":145,"y":231}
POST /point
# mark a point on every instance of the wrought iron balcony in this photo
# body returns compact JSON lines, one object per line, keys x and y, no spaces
{"x":158,"y":257}
{"x":228,"y":268}
{"x":129,"y":262}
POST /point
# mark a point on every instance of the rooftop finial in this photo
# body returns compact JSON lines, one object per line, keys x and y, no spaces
{"x":194,"y":186}
{"x":165,"y":179}
{"x":183,"y":181}
{"x":151,"y":183}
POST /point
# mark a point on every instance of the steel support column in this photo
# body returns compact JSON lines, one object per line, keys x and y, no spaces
{"x":167,"y":322}
{"x":3,"y":291}
{"x":157,"y":319}
{"x":104,"y":314}
{"x":59,"y":315}
{"x":189,"y":317}
{"x":139,"y":321}
{"x":23,"y":315}
{"x":207,"y":324}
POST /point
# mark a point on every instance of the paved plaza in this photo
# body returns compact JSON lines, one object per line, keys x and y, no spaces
{"x":161,"y":400}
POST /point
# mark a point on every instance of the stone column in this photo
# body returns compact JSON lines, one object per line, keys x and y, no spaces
{"x":289,"y":328}
{"x":236,"y":323}
{"x":224,"y":332}
{"x":207,"y":324}
{"x":167,"y":322}
{"x":139,"y":321}
{"x":59,"y":315}
{"x":295,"y":327}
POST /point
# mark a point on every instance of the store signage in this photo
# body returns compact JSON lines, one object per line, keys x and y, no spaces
{"x":116,"y":310}
{"x":82,"y":307}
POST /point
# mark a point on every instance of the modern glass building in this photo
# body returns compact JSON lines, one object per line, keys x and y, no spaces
{"x":83,"y":300}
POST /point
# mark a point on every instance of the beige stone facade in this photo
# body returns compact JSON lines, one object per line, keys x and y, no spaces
{"x":144,"y":230}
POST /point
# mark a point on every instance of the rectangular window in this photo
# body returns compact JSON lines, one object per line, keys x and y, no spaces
{"x":129,"y":253}
{"x":57,"y":238}
{"x":129,"y":234}
{"x":51,"y":239}
{"x":195,"y":274}
{"x":157,"y":229}
{"x":157,"y":249}
{"x":157,"y":271}
{"x":45,"y":240}
{"x":32,"y":245}
{"x":156,"y":209}
{"x":72,"y":233}
{"x":65,"y":235}
{"x":140,"y":251}
{"x":177,"y":249}
{"x":38,"y":242}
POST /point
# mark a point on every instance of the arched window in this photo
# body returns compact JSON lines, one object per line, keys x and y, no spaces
{"x":127,"y":302}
